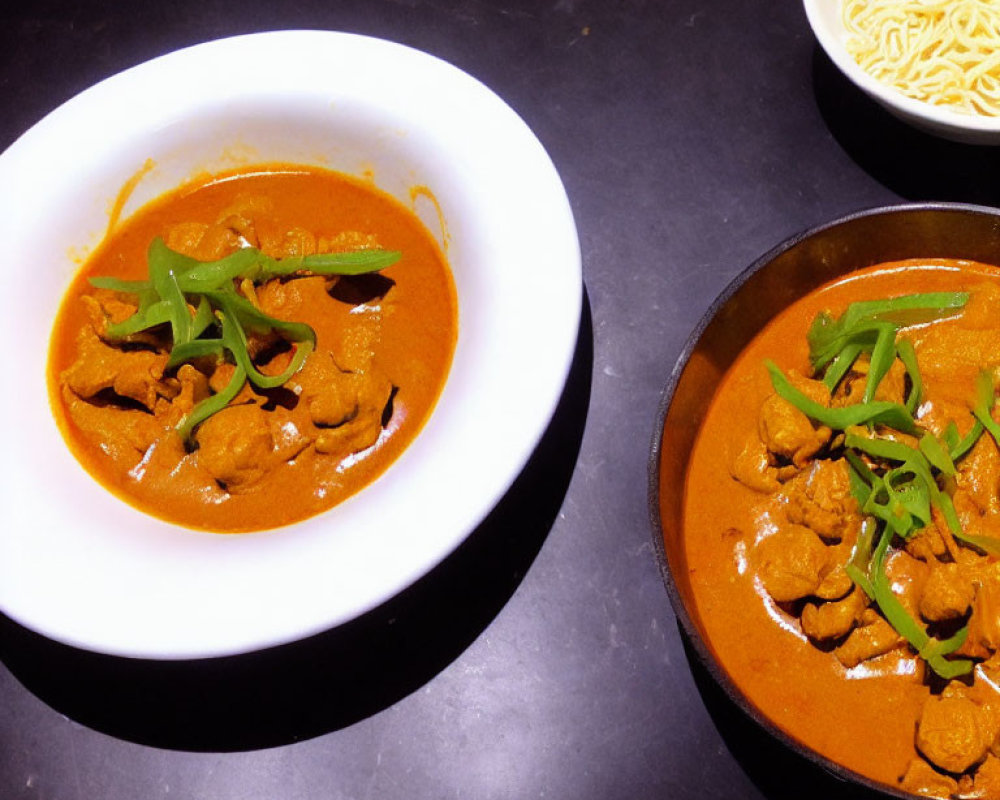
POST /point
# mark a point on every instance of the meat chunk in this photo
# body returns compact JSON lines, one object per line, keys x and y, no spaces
{"x":787,"y":432}
{"x":125,"y":433}
{"x":927,"y":544}
{"x":984,"y":624}
{"x":791,"y":562}
{"x":134,"y":374}
{"x":753,"y":469}
{"x":979,"y":478}
{"x":828,"y":621}
{"x":947,"y":594}
{"x":907,"y":576}
{"x":347,"y":407}
{"x":235,"y":446}
{"x":921,"y":778}
{"x":873,"y":637}
{"x":953,"y":733}
{"x":986,"y":781}
{"x":820,"y":498}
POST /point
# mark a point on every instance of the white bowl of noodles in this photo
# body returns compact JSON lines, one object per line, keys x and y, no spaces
{"x":82,"y":567}
{"x":955,"y":94}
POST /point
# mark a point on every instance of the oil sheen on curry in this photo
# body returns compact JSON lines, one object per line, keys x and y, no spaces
{"x":253,"y":348}
{"x":849,"y":583}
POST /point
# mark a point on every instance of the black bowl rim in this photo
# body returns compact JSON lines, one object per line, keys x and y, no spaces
{"x":680,"y":610}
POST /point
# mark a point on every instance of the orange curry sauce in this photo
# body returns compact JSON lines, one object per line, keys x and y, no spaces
{"x":863,"y":718}
{"x":400,"y":327}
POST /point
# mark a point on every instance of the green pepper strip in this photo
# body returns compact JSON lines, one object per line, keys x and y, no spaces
{"x":985,"y":399}
{"x":840,"y":365}
{"x":964,"y":445}
{"x":878,"y":411}
{"x":828,"y":336}
{"x":867,"y":570}
{"x":199,"y":348}
{"x":932,"y":650}
{"x":162,"y":299}
{"x":883,"y":354}
{"x":148,"y":316}
{"x":237,"y":311}
{"x":119,"y":285}
{"x":252,"y":264}
{"x":212,"y":405}
{"x":859,"y":563}
{"x":916,"y":462}
{"x":906,"y":353}
{"x":163,"y":275}
{"x":936,"y":455}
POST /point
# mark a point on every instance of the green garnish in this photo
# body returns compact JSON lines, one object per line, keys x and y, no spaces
{"x":881,"y":412}
{"x":896,"y":485}
{"x":222,"y":316}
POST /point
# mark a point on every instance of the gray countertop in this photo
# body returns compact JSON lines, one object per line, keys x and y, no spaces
{"x":543,"y":659}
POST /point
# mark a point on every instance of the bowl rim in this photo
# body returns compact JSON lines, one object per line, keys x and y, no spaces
{"x":909,"y":107}
{"x":453,"y":105}
{"x":690,"y":630}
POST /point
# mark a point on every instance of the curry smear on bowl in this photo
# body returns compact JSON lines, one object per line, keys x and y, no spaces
{"x":842,"y":525}
{"x":359,"y":383}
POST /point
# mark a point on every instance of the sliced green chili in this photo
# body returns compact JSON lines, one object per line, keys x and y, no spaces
{"x":906,"y":353}
{"x":881,"y":412}
{"x":932,"y":650}
{"x":177,"y":283}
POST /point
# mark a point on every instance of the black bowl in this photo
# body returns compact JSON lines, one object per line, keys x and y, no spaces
{"x":788,"y":272}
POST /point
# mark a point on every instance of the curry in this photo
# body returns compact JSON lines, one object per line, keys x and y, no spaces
{"x":849,"y":583}
{"x":253,"y":348}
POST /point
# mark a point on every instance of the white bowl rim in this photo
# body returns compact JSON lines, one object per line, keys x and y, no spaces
{"x":179,"y":609}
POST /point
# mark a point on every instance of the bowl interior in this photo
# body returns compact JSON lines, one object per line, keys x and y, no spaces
{"x":82,"y":567}
{"x":785,"y":274}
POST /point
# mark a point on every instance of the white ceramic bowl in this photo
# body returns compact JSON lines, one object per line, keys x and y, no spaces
{"x":82,"y":567}
{"x":825,"y":19}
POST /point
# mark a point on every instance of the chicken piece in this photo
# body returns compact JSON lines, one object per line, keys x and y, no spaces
{"x":836,"y":582}
{"x":986,"y":780}
{"x":192,"y":387}
{"x":833,"y":620}
{"x":363,"y":425}
{"x":953,"y":733}
{"x":907,"y":576}
{"x":124,"y":433}
{"x":184,"y":237}
{"x":951,"y":354}
{"x":791,"y":562}
{"x":787,"y":432}
{"x":978,"y":478}
{"x":927,"y":544}
{"x":348,"y":240}
{"x":921,"y":778}
{"x":752,"y":468}
{"x":235,"y":446}
{"x":820,"y":498}
{"x":984,"y":624}
{"x":133,"y":374}
{"x":948,"y":593}
{"x":296,"y":242}
{"x":347,"y":407}
{"x":872,"y":637}
{"x":106,"y":308}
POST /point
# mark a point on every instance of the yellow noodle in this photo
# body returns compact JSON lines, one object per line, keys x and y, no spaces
{"x":945,"y":52}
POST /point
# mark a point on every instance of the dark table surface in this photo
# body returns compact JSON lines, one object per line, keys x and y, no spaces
{"x":543,"y":659}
